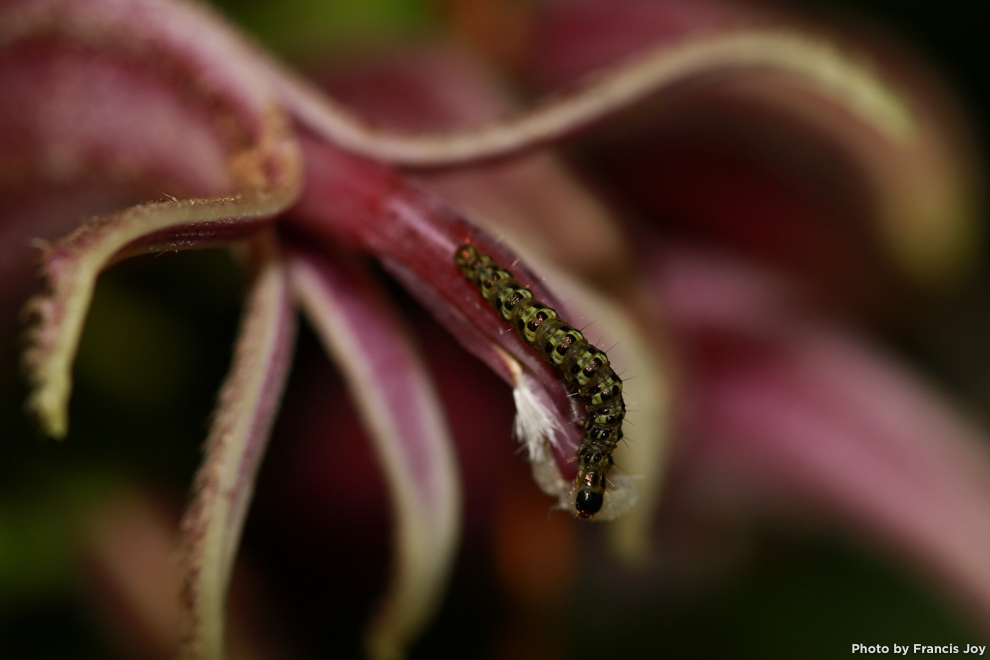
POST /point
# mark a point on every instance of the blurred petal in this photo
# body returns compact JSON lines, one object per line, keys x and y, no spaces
{"x":811,"y":65}
{"x":792,"y":416}
{"x":184,"y":72}
{"x":128,"y":552}
{"x":532,"y":198}
{"x":400,"y":410}
{"x":894,"y":124}
{"x":133,"y":584}
{"x":247,"y":407}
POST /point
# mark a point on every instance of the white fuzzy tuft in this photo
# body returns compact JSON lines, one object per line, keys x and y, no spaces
{"x":535,"y":426}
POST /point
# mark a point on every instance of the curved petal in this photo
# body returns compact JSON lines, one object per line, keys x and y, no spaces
{"x":532,"y":197}
{"x":813,"y":64}
{"x":543,"y":211}
{"x":415,"y":234}
{"x":72,"y":265}
{"x":246,"y":410}
{"x":517,"y":200}
{"x":891,"y":123}
{"x":160,"y":62}
{"x":401,"y":412}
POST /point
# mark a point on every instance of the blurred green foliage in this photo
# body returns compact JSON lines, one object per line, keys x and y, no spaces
{"x":299,"y":29}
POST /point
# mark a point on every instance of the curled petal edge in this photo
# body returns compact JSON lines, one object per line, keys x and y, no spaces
{"x":71,"y":265}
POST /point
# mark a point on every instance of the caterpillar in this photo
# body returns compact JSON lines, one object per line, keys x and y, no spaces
{"x":584,"y":367}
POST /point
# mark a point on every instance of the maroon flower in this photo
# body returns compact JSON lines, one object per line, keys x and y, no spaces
{"x":110,"y":103}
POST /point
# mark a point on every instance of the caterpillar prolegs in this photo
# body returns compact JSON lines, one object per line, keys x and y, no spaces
{"x":585,"y":368}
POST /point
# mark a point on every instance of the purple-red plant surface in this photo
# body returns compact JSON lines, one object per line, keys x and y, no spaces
{"x":742,"y":171}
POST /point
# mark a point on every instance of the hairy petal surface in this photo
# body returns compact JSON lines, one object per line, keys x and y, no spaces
{"x":248,"y":403}
{"x":791,"y":416}
{"x":400,"y":409}
{"x":160,"y":60}
{"x":71,"y":268}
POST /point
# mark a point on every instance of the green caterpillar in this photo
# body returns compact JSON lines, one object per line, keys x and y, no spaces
{"x":585,"y":368}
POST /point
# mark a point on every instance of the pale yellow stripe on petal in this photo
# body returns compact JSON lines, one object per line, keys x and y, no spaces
{"x":224,"y":485}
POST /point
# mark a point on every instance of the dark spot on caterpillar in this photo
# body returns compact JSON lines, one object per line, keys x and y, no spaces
{"x":589,"y":502}
{"x":585,"y":369}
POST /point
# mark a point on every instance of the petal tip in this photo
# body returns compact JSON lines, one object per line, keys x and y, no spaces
{"x":47,"y":405}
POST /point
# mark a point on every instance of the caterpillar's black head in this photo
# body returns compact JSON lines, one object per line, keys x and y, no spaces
{"x":588,"y":502}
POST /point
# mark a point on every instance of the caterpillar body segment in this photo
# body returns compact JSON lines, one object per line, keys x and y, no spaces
{"x":585,"y":368}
